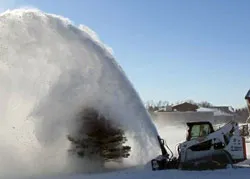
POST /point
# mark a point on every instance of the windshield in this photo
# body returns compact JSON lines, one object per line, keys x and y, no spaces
{"x":200,"y":130}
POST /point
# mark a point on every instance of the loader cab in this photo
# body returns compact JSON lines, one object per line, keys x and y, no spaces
{"x":198,"y":129}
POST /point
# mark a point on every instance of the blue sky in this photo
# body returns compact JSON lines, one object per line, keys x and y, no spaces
{"x":170,"y":50}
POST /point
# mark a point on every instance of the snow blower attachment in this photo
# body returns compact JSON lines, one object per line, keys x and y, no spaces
{"x":164,"y":161}
{"x":204,"y":148}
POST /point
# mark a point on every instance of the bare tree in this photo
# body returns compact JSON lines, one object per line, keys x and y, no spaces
{"x":205,"y":104}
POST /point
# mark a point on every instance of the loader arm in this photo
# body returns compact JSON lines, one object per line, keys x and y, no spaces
{"x":225,"y":132}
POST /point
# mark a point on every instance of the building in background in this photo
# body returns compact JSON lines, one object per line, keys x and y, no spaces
{"x":184,"y":107}
{"x":186,"y":112}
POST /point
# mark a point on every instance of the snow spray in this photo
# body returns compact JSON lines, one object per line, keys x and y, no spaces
{"x":49,"y":70}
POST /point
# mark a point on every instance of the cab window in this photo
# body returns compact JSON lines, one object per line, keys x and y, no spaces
{"x":200,"y":130}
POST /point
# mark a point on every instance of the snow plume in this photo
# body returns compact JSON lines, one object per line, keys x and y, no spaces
{"x":49,"y":71}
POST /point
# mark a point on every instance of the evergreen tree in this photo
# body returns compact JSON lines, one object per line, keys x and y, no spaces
{"x":98,"y":137}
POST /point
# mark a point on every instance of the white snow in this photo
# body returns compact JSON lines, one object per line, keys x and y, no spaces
{"x":51,"y":69}
{"x":173,"y":174}
{"x":216,"y":112}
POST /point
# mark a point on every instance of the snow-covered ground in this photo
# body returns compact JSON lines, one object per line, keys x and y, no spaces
{"x":173,"y":174}
{"x":50,"y":70}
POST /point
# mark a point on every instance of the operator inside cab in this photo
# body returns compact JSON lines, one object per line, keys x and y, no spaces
{"x":203,"y":131}
{"x":199,"y":130}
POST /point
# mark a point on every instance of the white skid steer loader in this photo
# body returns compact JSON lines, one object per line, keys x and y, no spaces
{"x":206,"y":148}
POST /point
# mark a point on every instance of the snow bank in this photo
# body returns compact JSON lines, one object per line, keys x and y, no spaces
{"x":49,"y":70}
{"x":216,"y":112}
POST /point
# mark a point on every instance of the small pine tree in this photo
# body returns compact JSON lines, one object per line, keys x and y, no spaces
{"x":98,"y":137}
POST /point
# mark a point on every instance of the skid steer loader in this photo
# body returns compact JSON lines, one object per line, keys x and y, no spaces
{"x":204,"y":148}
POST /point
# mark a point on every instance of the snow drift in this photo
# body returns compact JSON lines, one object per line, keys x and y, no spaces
{"x":50,"y":70}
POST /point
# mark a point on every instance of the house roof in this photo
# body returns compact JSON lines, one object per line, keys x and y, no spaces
{"x":185,"y":103}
